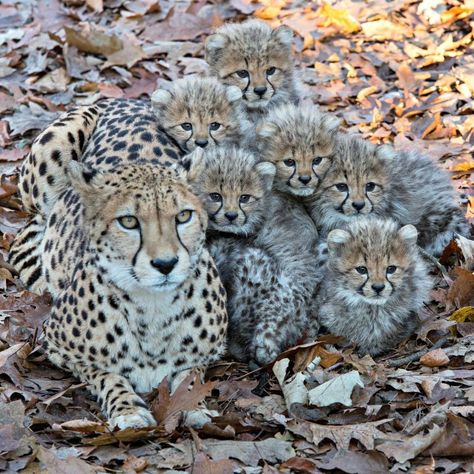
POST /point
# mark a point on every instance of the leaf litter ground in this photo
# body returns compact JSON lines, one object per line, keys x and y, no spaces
{"x":395,"y":71}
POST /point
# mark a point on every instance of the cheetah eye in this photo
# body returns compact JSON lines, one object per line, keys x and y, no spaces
{"x":216,"y":197}
{"x":289,"y":162}
{"x":184,"y":216}
{"x":317,"y":161}
{"x":128,"y":222}
{"x":391,"y":269}
{"x":187,"y":126}
{"x":362,"y":270}
{"x":271,"y":70}
{"x":342,"y":187}
{"x":242,"y":73}
{"x":244,"y":198}
{"x":370,"y":187}
{"x":215,"y":126}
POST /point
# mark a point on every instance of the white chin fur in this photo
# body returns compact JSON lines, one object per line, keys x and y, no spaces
{"x":301,"y":191}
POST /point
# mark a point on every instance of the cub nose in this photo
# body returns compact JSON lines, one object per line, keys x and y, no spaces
{"x":358,"y":205}
{"x":164,"y":266}
{"x":231,"y":216}
{"x":260,"y":90}
{"x":202,"y":142}
{"x":304,"y":179}
{"x":378,"y":287}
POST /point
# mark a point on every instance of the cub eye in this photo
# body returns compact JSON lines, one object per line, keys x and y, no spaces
{"x":184,"y":216}
{"x":317,"y":161}
{"x":242,"y":73}
{"x":215,"y":126}
{"x":271,"y":70}
{"x":186,"y":126}
{"x":362,"y":270}
{"x":289,"y":162}
{"x":370,"y":186}
{"x":391,"y":269}
{"x":341,"y":187}
{"x":244,"y":198}
{"x":128,"y":222}
{"x":216,"y":197}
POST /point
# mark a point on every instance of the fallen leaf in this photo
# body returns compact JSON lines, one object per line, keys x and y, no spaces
{"x":436,"y":358}
{"x":92,"y":40}
{"x":204,"y":465}
{"x":456,"y":440}
{"x":337,"y":390}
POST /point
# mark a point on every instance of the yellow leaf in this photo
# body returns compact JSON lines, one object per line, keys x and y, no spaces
{"x":340,"y":18}
{"x":268,"y":13}
{"x":466,"y":166}
{"x":462,"y":315}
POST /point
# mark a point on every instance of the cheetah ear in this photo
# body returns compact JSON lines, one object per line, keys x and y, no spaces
{"x":385,"y":153}
{"x":84,"y":178}
{"x":194,"y":163}
{"x":233,"y":94}
{"x":409,"y":234}
{"x":160,"y":99}
{"x":336,"y":239}
{"x":331,"y":124}
{"x":283,"y":34}
{"x":214,"y":44}
{"x":267,"y":171}
{"x":266,"y":129}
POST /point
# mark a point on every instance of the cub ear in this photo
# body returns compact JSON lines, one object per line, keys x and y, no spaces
{"x":330,"y":123}
{"x":233,"y":94}
{"x":160,"y":100}
{"x":283,"y":34}
{"x":213,"y":45}
{"x":267,"y":171}
{"x":266,"y":129}
{"x":194,"y":164}
{"x":409,"y":234}
{"x":337,"y":238}
{"x":385,"y":153}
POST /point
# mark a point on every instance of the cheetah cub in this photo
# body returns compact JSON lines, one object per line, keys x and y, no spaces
{"x":406,"y":186}
{"x":136,"y":295}
{"x":375,"y":284}
{"x":258,"y":60}
{"x":201,"y":112}
{"x":299,"y":140}
{"x":265,"y":247}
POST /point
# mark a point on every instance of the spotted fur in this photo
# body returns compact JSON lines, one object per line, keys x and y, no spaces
{"x":375,"y":284}
{"x":406,"y":186}
{"x":201,"y":112}
{"x":265,"y":247}
{"x":258,"y":60}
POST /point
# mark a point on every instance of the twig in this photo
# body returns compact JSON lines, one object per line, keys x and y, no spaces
{"x":416,"y":355}
{"x":433,"y":260}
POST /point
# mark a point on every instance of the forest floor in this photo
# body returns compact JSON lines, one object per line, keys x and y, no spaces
{"x":399,"y":71}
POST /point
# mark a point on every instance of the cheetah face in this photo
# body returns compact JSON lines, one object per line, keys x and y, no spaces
{"x":200,"y":112}
{"x":372,"y":263}
{"x":233,"y":187}
{"x":254,"y":58}
{"x":147,"y":228}
{"x":300,"y":175}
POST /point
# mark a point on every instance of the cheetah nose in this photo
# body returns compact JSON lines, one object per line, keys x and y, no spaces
{"x":304,"y":179}
{"x":202,"y":142}
{"x":260,"y":90}
{"x":164,"y":266}
{"x":231,"y":216}
{"x":378,"y":287}
{"x":358,"y":205}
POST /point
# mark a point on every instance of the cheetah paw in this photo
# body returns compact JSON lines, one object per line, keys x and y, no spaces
{"x":264,"y":354}
{"x":139,"y":418}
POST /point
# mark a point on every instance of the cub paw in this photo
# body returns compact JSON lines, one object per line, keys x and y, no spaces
{"x":265,"y":350}
{"x":138,"y":418}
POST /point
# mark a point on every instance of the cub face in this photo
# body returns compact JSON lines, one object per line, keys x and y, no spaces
{"x":233,"y":186}
{"x":372,"y":259}
{"x":357,"y":183}
{"x":146,"y":226}
{"x":300,"y":141}
{"x":200,"y":112}
{"x":253,"y":57}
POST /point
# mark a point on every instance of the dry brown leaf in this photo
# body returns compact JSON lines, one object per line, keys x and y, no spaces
{"x":461,"y":292}
{"x":436,"y":358}
{"x":456,"y":440}
{"x":92,"y":40}
{"x":204,"y":465}
{"x":338,"y":17}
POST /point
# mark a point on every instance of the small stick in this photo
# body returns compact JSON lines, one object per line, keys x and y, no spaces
{"x":433,"y":260}
{"x":416,"y":355}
